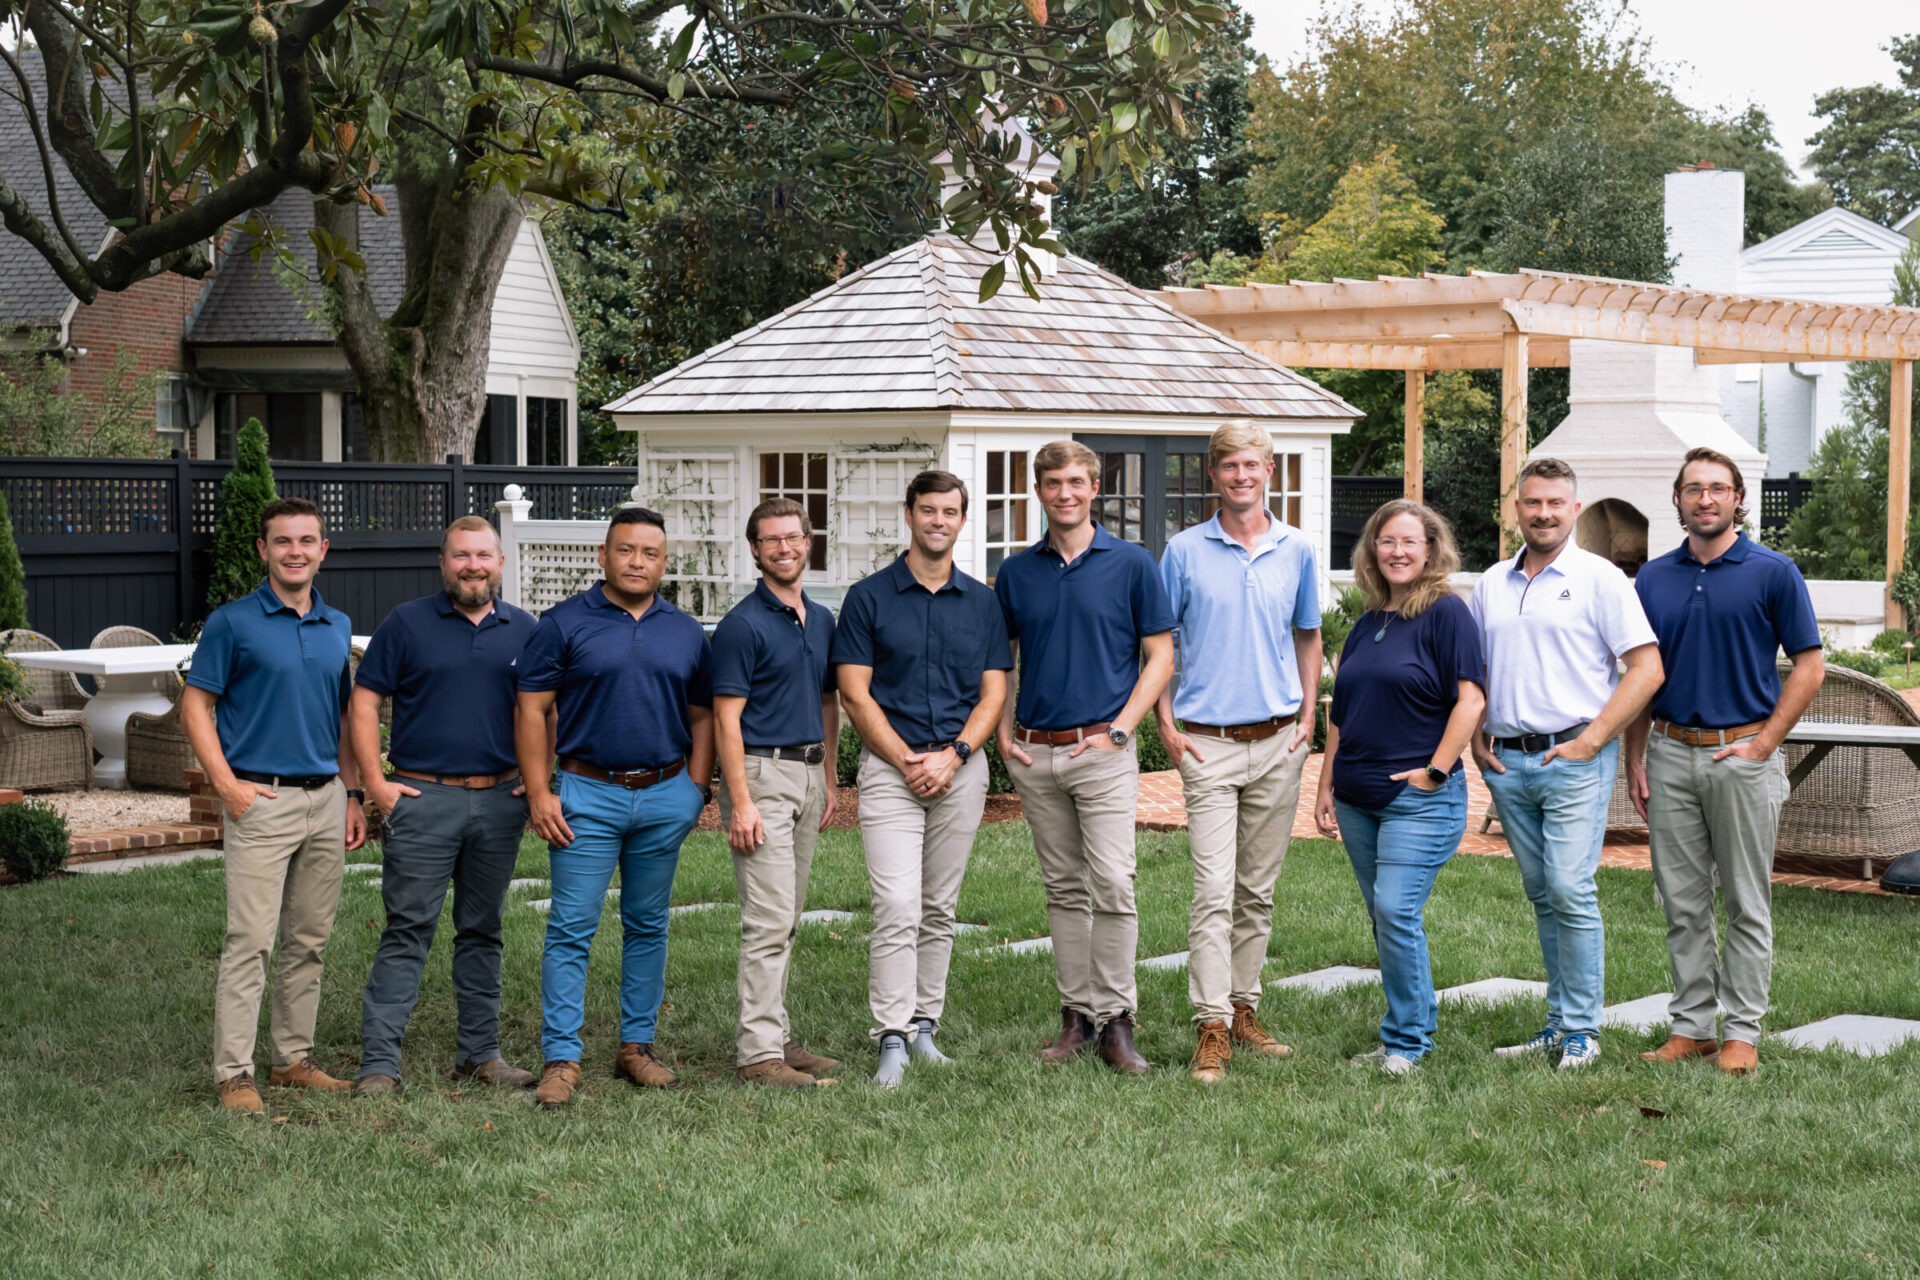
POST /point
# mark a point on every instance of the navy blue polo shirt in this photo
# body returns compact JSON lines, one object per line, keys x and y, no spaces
{"x":1079,"y":626}
{"x":1721,"y":626}
{"x":282,"y":679}
{"x":763,"y":654}
{"x":1394,"y":696}
{"x":928,"y":649}
{"x":451,"y":681}
{"x":625,"y":683}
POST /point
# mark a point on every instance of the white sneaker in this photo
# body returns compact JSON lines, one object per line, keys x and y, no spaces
{"x":1398,"y":1067}
{"x":1544,"y":1041}
{"x":1578,"y":1051}
{"x":1372,"y":1058}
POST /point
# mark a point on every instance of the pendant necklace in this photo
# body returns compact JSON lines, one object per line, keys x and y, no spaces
{"x":1381,"y":634}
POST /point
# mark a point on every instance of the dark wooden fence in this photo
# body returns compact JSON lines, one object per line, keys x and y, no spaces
{"x":113,"y":541}
{"x":1780,"y":498}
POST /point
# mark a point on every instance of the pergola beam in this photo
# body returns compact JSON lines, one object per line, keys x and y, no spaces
{"x":1899,"y":478}
{"x":1414,"y":470}
{"x":1802,"y":336}
{"x":1543,"y":353}
{"x":1513,"y":436}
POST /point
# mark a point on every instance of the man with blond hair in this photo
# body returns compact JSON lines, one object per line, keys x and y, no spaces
{"x":1083,"y":608}
{"x":1246,"y":607}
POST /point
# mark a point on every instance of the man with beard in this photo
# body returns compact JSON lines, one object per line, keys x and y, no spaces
{"x":775,"y":725}
{"x":1711,"y":780}
{"x":922,"y":660}
{"x":454,"y":806}
{"x":1555,"y":622}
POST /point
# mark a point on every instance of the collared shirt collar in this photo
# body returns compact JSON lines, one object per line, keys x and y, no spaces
{"x":271,"y":603}
{"x":903,"y":579}
{"x":443,"y":605}
{"x":1734,"y":554}
{"x":764,"y":594}
{"x":1278,"y":530}
{"x":1102,"y":541}
{"x":596,"y":598}
{"x":1556,"y":565}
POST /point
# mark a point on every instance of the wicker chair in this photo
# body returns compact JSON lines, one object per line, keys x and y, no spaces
{"x":48,"y":751}
{"x":1860,"y":807}
{"x":158,"y":752}
{"x":134,"y":638}
{"x":52,"y":690}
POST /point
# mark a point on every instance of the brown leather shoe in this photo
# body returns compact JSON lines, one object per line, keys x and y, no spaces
{"x":811,"y":1063}
{"x":496,"y":1071}
{"x":1250,"y":1035}
{"x":1076,"y":1033}
{"x":306,"y":1074}
{"x":636,"y":1062}
{"x":237,"y":1093}
{"x":559,"y":1081}
{"x":1214,"y":1052}
{"x":1116,"y":1047}
{"x":1680,"y":1049}
{"x":1737,"y":1058}
{"x":776,"y":1073}
{"x":376,"y":1085}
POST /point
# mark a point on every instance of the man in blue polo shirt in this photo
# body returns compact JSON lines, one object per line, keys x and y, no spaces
{"x":1247,"y":608}
{"x":1082,"y":607}
{"x":922,"y":659}
{"x":454,"y":807}
{"x":775,"y":724}
{"x":276,"y":665}
{"x":1711,"y":780}
{"x":630,"y":678}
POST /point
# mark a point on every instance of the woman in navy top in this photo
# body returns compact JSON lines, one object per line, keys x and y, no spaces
{"x":1407,"y":696}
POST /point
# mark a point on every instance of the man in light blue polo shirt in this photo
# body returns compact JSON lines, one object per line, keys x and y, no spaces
{"x":1246,"y":609}
{"x":1556,"y":621}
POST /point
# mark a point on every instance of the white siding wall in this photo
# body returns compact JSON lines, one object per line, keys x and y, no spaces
{"x":532,"y":333}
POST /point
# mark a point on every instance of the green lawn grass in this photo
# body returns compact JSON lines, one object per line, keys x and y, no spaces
{"x":116,"y":1162}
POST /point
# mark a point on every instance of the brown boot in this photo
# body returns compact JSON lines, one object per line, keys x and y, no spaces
{"x":237,"y":1093}
{"x":1250,"y":1035}
{"x":1116,"y":1047}
{"x":494,"y":1071}
{"x":776,"y":1073}
{"x":1737,"y":1058}
{"x":559,"y":1081}
{"x":1214,"y":1052}
{"x":637,"y":1063}
{"x":811,"y":1063}
{"x":377,"y":1085}
{"x":1680,"y":1048}
{"x":306,"y":1074}
{"x":1076,"y":1033}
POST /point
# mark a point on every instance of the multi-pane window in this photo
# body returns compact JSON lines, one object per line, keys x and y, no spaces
{"x":546,"y":431}
{"x":292,"y":420}
{"x":803,"y":478}
{"x":1122,"y":503}
{"x":1190,"y":499}
{"x":172,"y":418}
{"x":1006,"y":503}
{"x":1286,"y":487}
{"x":1152,"y":487}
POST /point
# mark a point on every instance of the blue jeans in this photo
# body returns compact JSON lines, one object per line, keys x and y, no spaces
{"x":640,"y":833}
{"x":1555,"y":817}
{"x":1397,"y":852}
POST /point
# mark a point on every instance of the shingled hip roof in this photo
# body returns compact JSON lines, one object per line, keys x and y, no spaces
{"x":908,"y":332}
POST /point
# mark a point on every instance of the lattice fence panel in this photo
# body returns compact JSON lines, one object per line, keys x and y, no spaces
{"x":698,"y":493}
{"x":869,"y":527}
{"x":552,"y":571}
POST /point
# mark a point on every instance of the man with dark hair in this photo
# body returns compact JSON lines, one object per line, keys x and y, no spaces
{"x":922,"y":658}
{"x":1704,"y":764}
{"x":776,"y":722}
{"x":276,"y":665}
{"x":454,"y":807}
{"x":628,"y":677}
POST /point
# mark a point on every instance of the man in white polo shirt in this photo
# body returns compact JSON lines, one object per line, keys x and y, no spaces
{"x":1556,"y":622}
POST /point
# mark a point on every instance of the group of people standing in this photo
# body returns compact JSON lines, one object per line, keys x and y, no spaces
{"x":601,"y":723}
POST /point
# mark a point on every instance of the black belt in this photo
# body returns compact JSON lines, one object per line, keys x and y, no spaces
{"x":811,"y":753}
{"x":921,"y":748}
{"x":305,"y":782}
{"x":631,"y":779}
{"x":1533,"y":743}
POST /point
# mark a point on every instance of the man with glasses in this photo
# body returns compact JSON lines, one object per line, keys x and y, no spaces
{"x":1705,"y":765}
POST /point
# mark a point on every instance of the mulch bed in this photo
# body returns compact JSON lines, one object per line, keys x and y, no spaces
{"x":846,"y":811}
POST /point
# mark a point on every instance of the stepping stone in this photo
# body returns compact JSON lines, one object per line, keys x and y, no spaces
{"x":1494,"y":991}
{"x":542,"y":905}
{"x":827,"y":916}
{"x":1336,"y":978}
{"x":1028,"y":947}
{"x":374,"y":882}
{"x":963,"y":927}
{"x":526,"y":884}
{"x":1643,"y":1014}
{"x":363,"y":868}
{"x":687,"y":908}
{"x":1178,"y":960}
{"x":117,"y":866}
{"x":1859,"y":1033}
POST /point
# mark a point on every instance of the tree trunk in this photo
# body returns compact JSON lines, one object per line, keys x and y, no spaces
{"x":423,"y":369}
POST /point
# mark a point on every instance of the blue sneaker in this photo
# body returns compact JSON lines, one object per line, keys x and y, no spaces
{"x":1544,"y":1041}
{"x":1578,"y":1050}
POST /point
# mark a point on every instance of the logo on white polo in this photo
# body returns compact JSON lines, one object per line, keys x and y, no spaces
{"x":1566,"y":593}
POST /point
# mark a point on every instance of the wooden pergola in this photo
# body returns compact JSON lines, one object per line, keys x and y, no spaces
{"x":1528,"y":319}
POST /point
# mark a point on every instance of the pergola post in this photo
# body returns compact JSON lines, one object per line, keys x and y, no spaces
{"x":1415,"y":469}
{"x":1899,"y":478}
{"x":1513,"y":433}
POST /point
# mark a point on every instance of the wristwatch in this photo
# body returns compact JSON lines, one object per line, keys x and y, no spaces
{"x":1436,"y":775}
{"x":962,"y":749}
{"x":706,"y":793}
{"x":1117,"y":736}
{"x":355,"y":793}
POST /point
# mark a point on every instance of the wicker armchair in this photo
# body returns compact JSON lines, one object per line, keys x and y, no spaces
{"x":1860,"y":807}
{"x":52,"y":690}
{"x":158,"y":753}
{"x":49,"y":751}
{"x":166,"y":682}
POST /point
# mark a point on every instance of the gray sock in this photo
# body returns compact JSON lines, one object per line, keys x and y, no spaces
{"x":923,"y":1047}
{"x":893,"y":1060}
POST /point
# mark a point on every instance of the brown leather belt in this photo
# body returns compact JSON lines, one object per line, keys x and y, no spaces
{"x":468,"y":781}
{"x":1062,"y":737}
{"x":631,"y":779}
{"x":1708,"y":737}
{"x":1258,"y":731}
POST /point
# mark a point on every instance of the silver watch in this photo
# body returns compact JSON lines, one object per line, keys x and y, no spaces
{"x":1117,"y":736}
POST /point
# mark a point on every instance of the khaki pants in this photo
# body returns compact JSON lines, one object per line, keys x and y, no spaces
{"x":772,"y":885}
{"x":1706,"y":816}
{"x":1240,"y":807}
{"x":285,"y":859}
{"x":917,"y":853}
{"x":1082,"y":810}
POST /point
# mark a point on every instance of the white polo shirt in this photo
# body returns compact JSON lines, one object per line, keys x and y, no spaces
{"x":1553,"y":644}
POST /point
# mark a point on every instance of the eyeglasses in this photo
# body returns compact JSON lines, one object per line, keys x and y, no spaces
{"x":783,"y":540}
{"x":1387,"y":546}
{"x":1718,"y":492}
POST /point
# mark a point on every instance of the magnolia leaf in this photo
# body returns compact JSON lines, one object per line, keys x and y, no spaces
{"x":990,"y":283}
{"x":1119,"y":36}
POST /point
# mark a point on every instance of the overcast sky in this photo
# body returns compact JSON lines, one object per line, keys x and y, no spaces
{"x":1718,"y":54}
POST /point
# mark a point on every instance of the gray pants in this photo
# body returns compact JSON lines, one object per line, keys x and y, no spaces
{"x":772,"y":884}
{"x":1706,"y":816}
{"x":444,"y":835}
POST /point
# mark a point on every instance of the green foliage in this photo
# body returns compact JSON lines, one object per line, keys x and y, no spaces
{"x":40,"y":418}
{"x":1865,"y":661}
{"x":1905,"y":591}
{"x":1376,"y":223}
{"x":1888,"y":642}
{"x":1868,"y":151}
{"x":245,"y":493}
{"x":33,"y":840}
{"x":1463,"y":484}
{"x":846,"y":760}
{"x":13,"y":575}
{"x":1579,"y":202}
{"x":1336,"y":624}
{"x":1224,"y":267}
{"x":1776,"y":200}
{"x":1153,"y":752}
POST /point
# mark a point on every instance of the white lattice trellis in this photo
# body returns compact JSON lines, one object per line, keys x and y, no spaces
{"x":549,"y":572}
{"x":698,"y":493}
{"x":869,"y":528}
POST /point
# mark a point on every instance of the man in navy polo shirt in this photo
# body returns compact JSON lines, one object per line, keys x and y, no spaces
{"x":775,"y":724}
{"x":276,"y":665}
{"x":922,"y":658}
{"x":1083,"y":607}
{"x":1711,"y":780}
{"x":630,"y":678}
{"x":454,"y":807}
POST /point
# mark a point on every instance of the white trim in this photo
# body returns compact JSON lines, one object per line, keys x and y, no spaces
{"x":1836,"y":218}
{"x":1053,"y":425}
